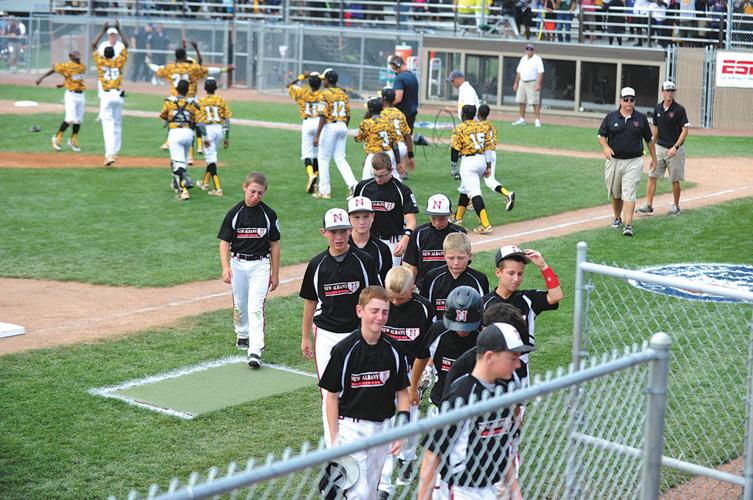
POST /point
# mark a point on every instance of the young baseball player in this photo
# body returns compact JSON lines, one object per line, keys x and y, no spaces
{"x":311,"y":104}
{"x":474,"y":457}
{"x":378,"y":136}
{"x":365,"y":381}
{"x":332,"y":135}
{"x":215,"y":114}
{"x":361,"y":215}
{"x":469,"y":144}
{"x":402,"y":130}
{"x":395,"y":206}
{"x":73,"y":73}
{"x":110,"y":74}
{"x":441,"y":281}
{"x":180,"y":114}
{"x":491,"y":148}
{"x":330,"y":288}
{"x":250,"y":256}
{"x":425,"y":251}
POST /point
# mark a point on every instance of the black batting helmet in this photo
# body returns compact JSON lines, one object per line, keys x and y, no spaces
{"x":331,"y":76}
{"x":468,"y":112}
{"x":395,"y":61}
{"x":182,"y":87}
{"x":315,"y":81}
{"x":374,"y":105}
{"x":210,"y":85}
{"x":463,"y":310}
{"x":388,"y":94}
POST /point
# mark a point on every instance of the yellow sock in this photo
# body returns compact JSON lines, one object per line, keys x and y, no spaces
{"x":205,"y":179}
{"x":484,"y":218}
{"x":59,"y":136}
{"x":183,"y":186}
{"x":505,"y":192}
{"x":310,"y":170}
{"x":190,"y":153}
{"x":216,"y":179}
{"x":459,"y":214}
{"x":199,"y":142}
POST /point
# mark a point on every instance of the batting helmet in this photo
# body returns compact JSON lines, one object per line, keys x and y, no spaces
{"x":315,"y":81}
{"x":331,"y":76}
{"x":210,"y":85}
{"x":463,"y":310}
{"x":395,"y":61}
{"x":388,"y":94}
{"x":338,"y":477}
{"x":374,"y":105}
{"x":468,"y":112}
{"x":182,"y":87}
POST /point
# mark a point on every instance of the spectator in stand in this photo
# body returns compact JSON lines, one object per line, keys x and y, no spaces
{"x":565,"y":19}
{"x":549,"y":18}
{"x":687,"y":21}
{"x":640,"y":18}
{"x":718,"y":12}
{"x":701,"y":9}
{"x":589,"y":18}
{"x":615,"y":11}
{"x":658,"y":13}
{"x":139,"y":47}
{"x":523,"y":16}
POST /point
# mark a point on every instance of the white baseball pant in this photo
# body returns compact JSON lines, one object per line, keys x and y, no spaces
{"x":332,"y":144}
{"x":180,"y":141}
{"x":308,"y":133}
{"x":472,"y":169}
{"x":371,"y":461}
{"x":471,"y":493}
{"x":367,"y":171}
{"x":407,"y":454}
{"x":324,"y":341}
{"x":491,"y":181}
{"x":250,"y":285}
{"x":111,"y":116}
{"x":392,"y":243}
{"x":212,"y":142}
{"x":74,"y":106}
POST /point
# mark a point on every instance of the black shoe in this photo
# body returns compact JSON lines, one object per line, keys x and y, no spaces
{"x":241,"y":344}
{"x":254,"y":361}
{"x":382,"y":495}
{"x":404,"y":472}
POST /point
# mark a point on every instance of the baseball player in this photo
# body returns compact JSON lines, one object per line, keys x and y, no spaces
{"x":425,"y":251}
{"x":365,"y":381}
{"x":378,"y":136}
{"x":469,"y":143}
{"x":474,"y":457}
{"x":250,"y":256}
{"x":180,"y":114}
{"x":73,"y":73}
{"x":395,"y":206}
{"x":402,"y":130}
{"x":332,"y":135}
{"x":216,"y":114}
{"x":441,"y":281}
{"x":330,"y":288}
{"x":361,"y":215}
{"x":491,"y":152}
{"x":311,"y":104}
{"x":110,"y":74}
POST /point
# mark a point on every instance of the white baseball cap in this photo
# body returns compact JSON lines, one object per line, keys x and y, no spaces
{"x":438,"y":204}
{"x":627,"y":92}
{"x":112,"y":31}
{"x":336,"y":218}
{"x":499,"y":337}
{"x":508,"y":251}
{"x":359,"y":204}
{"x":668,"y":85}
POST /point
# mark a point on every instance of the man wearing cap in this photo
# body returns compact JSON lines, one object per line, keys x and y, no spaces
{"x":330,"y":288}
{"x":112,"y":41}
{"x":670,"y":130}
{"x":620,"y":136}
{"x":466,"y":93}
{"x":425,"y":251}
{"x":361,"y":215}
{"x":406,"y":89}
{"x":511,"y":262}
{"x":528,"y":78}
{"x":474,"y":457}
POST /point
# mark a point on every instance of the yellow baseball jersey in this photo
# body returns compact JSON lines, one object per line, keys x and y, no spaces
{"x":337,"y":105}
{"x":310,"y":102}
{"x":214,"y":110}
{"x":181,"y":112}
{"x":469,"y":138}
{"x":397,"y":118}
{"x":177,"y":71}
{"x":377,"y":134}
{"x":491,"y":135}
{"x":73,"y":73}
{"x":110,"y":71}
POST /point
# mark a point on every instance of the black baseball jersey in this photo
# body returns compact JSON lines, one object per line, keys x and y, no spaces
{"x":444,"y":346}
{"x":366,"y":376}
{"x":439,"y":283}
{"x":464,"y":366}
{"x":250,"y":229}
{"x":474,"y":452}
{"x":391,"y":201}
{"x":408,"y":324}
{"x":624,"y":134}
{"x":669,"y":123}
{"x":380,"y":252}
{"x":335,"y":283}
{"x":425,"y":251}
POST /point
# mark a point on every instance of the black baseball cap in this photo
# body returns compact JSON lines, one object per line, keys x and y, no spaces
{"x":499,"y":337}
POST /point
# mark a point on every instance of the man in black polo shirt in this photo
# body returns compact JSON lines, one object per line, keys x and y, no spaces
{"x":621,"y":135}
{"x":361,"y":216}
{"x":670,"y":131}
{"x":330,"y":288}
{"x":394,"y":205}
{"x":425,"y":251}
{"x":406,"y":90}
{"x":365,"y":377}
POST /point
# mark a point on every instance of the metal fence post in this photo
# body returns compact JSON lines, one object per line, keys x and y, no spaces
{"x":653,"y":445}
{"x":748,"y":450}
{"x":260,"y":60}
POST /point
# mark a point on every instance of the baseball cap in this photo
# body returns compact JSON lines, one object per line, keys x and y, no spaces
{"x":530,"y":47}
{"x":455,"y":73}
{"x":438,"y":204}
{"x":508,"y":251}
{"x":335,"y":218}
{"x":112,"y":31}
{"x":668,"y":85}
{"x":324,"y":73}
{"x":627,"y":92}
{"x":359,"y":204}
{"x":499,"y":337}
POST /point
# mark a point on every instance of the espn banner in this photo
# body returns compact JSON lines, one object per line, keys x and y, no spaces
{"x":734,"y":69}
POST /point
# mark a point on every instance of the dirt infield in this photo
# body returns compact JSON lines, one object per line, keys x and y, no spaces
{"x":75,"y":160}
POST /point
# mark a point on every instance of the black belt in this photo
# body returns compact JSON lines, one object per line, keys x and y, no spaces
{"x":241,"y":256}
{"x":77,"y":91}
{"x":528,"y":81}
{"x":474,"y":154}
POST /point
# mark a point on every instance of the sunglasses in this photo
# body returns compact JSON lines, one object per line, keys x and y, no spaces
{"x":529,"y":50}
{"x":670,"y":90}
{"x":628,"y":99}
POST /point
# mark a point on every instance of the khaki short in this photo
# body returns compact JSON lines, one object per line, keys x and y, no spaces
{"x":622,"y":177}
{"x":527,"y":93}
{"x":675,"y":165}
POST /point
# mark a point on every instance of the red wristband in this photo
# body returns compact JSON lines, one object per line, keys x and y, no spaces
{"x":550,"y":278}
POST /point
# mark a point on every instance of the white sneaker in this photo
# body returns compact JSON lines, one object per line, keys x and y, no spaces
{"x":537,"y":123}
{"x":519,"y":121}
{"x":109,"y":160}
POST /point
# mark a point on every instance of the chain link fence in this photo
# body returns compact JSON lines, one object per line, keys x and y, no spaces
{"x":710,"y":382}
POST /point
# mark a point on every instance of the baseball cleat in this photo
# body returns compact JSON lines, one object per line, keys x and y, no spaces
{"x":351,"y":193}
{"x":254,"y":360}
{"x":452,"y":219}
{"x":183,"y":196}
{"x":405,"y":472}
{"x":241,"y":344}
{"x":74,"y":145}
{"x":483,"y":229}
{"x":311,"y":183}
{"x":510,"y":201}
{"x":56,"y":143}
{"x":109,"y":160}
{"x":215,"y":192}
{"x":319,"y":195}
{"x":165,"y":145}
{"x":201,"y":185}
{"x":190,"y":161}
